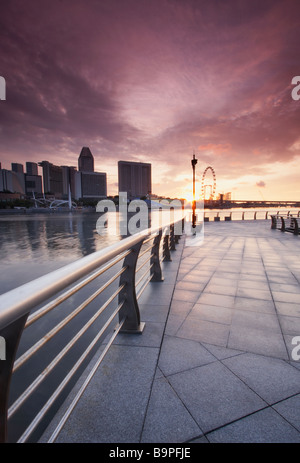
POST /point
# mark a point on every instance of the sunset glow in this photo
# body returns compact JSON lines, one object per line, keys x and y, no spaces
{"x":156,"y":81}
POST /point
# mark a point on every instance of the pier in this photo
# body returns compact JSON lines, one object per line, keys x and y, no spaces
{"x":218,"y":359}
{"x":214,"y":363}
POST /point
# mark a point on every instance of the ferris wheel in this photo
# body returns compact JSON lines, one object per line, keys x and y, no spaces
{"x":204,"y":186}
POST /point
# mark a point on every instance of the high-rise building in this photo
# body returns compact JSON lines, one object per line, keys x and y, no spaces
{"x":18,"y":168}
{"x":33,"y":181}
{"x":90,"y":185}
{"x":12,"y":182}
{"x":52,"y":179}
{"x":31,"y":168}
{"x":86,"y":160}
{"x":134,"y":179}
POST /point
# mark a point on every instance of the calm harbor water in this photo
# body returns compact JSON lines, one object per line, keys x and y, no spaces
{"x":32,"y":245}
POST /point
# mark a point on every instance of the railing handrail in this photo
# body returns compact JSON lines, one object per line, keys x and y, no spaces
{"x":19,"y":301}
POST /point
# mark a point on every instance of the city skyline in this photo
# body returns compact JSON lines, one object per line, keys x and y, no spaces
{"x":156,"y":82}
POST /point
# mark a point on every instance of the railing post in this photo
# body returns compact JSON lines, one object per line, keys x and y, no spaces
{"x":282,"y":224}
{"x":166,"y":249}
{"x":296,"y":231}
{"x":155,"y":262}
{"x":274,"y":222}
{"x":130,"y":309}
{"x":172,"y":238}
{"x":11,"y":335}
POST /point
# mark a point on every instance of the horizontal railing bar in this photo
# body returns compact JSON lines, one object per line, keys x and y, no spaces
{"x":48,"y":307}
{"x":68,"y":412}
{"x":150,"y":239}
{"x":144,"y":263}
{"x":143,"y":287}
{"x":141,"y":254}
{"x":39,"y":344}
{"x":24,"y":396}
{"x":57,"y":392}
{"x":145,"y":273}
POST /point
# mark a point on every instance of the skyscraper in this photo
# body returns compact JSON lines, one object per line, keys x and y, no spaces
{"x":86,"y":160}
{"x":52,"y":179}
{"x":134,"y":179}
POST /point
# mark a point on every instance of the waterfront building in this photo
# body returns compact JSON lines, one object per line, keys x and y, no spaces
{"x":18,"y":168}
{"x":31,"y":168}
{"x":11,"y":181}
{"x":90,"y":185}
{"x":33,"y":181}
{"x":86,"y":160}
{"x":134,"y":179}
{"x":52,"y":179}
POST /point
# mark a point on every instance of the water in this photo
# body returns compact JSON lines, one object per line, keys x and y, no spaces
{"x":33,"y":245}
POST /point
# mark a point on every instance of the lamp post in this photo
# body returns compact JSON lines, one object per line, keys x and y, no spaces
{"x":194,"y":162}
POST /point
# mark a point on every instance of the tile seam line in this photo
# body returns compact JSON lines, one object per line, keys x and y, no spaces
{"x":160,"y":345}
{"x":276,"y":311}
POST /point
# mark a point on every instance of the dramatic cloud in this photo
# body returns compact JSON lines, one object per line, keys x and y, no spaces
{"x":155,"y":81}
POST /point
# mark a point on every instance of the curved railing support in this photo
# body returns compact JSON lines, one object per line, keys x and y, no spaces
{"x":155,"y":260}
{"x":12,"y":335}
{"x":130,"y":309}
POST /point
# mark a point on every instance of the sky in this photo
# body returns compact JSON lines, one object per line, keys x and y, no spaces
{"x":156,"y":81}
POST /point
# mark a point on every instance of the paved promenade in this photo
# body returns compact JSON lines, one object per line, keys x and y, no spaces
{"x":214,"y":363}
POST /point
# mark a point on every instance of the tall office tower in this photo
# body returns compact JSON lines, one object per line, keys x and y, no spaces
{"x":18,"y":168}
{"x":90,"y":185}
{"x":52,"y":179}
{"x":68,"y":173}
{"x":18,"y":178}
{"x":31,"y":168}
{"x":33,"y":181}
{"x":134,"y":179}
{"x":86,"y":160}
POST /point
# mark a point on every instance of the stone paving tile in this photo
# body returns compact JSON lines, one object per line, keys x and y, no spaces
{"x":220,"y":289}
{"x":265,"y":426}
{"x":256,"y":320}
{"x":204,"y":331}
{"x":212,"y":388}
{"x":288,"y":309}
{"x":179,"y":354}
{"x":185,"y":295}
{"x":258,"y":341}
{"x":254,"y":305}
{"x":290,"y":410}
{"x":221,"y":352}
{"x":253,"y":284}
{"x":286,"y":297}
{"x":216,"y":299}
{"x":151,"y":336}
{"x":271,"y":378}
{"x":212,"y":313}
{"x":167,"y":418}
{"x":190,"y":286}
{"x":173,"y":324}
{"x":254,"y":293}
{"x":290,"y":325}
{"x":113,"y":408}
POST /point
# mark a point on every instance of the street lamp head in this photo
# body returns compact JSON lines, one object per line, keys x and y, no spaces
{"x":194,"y":161}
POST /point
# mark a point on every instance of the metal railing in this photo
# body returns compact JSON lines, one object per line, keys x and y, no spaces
{"x":124,"y":269}
{"x":287,"y":222}
{"x":246,"y":215}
